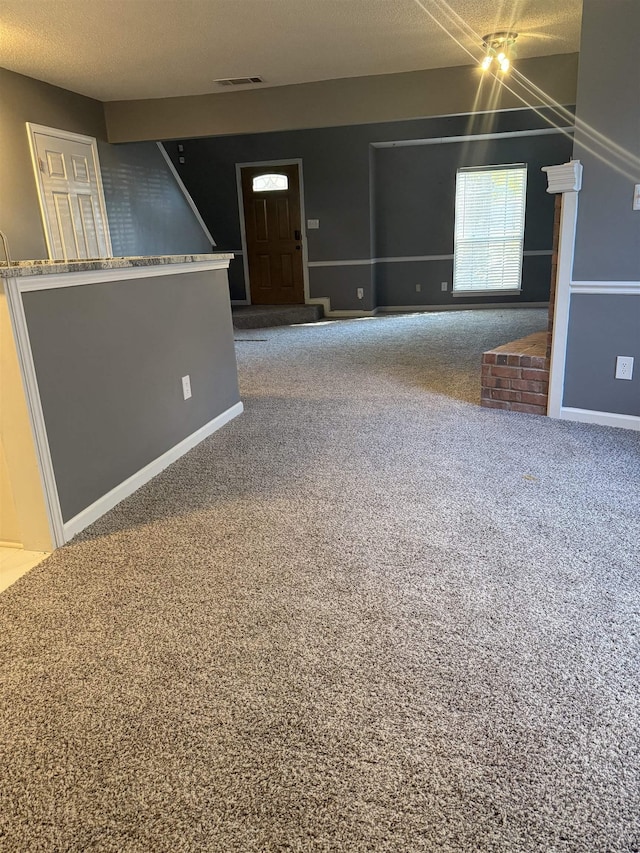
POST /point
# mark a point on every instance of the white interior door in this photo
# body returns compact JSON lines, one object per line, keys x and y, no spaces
{"x":71,"y":198}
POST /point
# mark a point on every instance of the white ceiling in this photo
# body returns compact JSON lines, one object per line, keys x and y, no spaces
{"x":127,"y":49}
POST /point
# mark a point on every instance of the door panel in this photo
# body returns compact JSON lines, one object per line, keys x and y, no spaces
{"x":73,"y":212}
{"x":272,"y":221}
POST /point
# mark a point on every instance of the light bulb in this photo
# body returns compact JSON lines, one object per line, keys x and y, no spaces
{"x":501,"y":56}
{"x":504,"y":65}
{"x":486,"y":62}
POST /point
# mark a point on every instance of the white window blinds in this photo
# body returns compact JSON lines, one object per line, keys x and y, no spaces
{"x":489,"y":228}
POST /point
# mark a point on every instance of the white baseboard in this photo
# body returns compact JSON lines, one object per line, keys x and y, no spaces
{"x":471,"y":306}
{"x":131,"y":484}
{"x":345,"y":314}
{"x":589,"y":416}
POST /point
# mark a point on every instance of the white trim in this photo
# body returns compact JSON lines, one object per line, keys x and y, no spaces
{"x":34,"y":407}
{"x":511,"y":291}
{"x":32,"y":129}
{"x":589,"y":416}
{"x":75,"y":279}
{"x":472,"y":306}
{"x":345,"y":314}
{"x":529,"y":253}
{"x":476,"y":137}
{"x":606,"y":288}
{"x":186,"y":193}
{"x":295,"y":161}
{"x":240,"y":302}
{"x":362,"y":262}
{"x":131,"y":484}
{"x":566,"y":245}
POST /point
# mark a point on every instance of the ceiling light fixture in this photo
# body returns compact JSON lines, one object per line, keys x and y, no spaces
{"x":500,"y":51}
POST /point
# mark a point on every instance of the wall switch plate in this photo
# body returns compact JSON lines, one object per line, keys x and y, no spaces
{"x":313,"y":224}
{"x":444,"y":285}
{"x":636,"y":197}
{"x":418,"y":288}
{"x":186,"y":386}
{"x":181,"y":160}
{"x":360,"y":292}
{"x":624,"y":367}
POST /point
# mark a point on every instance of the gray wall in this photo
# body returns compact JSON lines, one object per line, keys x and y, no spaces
{"x":109,"y":360}
{"x":606,"y":326}
{"x":608,"y":234}
{"x":148,"y":213}
{"x":146,"y":209}
{"x":346,"y":101}
{"x":608,"y":230}
{"x":412,"y":187}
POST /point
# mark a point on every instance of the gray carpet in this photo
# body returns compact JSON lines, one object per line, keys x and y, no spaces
{"x":368,"y":615}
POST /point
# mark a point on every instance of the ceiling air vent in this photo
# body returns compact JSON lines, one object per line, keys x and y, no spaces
{"x":239,"y":81}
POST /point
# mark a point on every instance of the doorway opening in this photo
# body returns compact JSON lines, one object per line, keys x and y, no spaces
{"x":271,"y":218}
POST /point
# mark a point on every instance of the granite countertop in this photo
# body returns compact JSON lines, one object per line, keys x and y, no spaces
{"x":45,"y":267}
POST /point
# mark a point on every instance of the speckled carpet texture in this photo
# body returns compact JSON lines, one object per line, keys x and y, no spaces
{"x":367,"y":615}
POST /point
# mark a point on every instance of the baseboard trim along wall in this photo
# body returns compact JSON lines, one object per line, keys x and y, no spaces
{"x":610,"y":419}
{"x":93,"y":512}
{"x":469,"y":306}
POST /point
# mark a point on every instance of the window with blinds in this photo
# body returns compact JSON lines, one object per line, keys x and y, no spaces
{"x":489,"y":228}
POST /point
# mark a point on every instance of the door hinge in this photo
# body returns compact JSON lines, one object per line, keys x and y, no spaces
{"x":41,"y":164}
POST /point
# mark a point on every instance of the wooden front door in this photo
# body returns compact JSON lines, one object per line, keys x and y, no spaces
{"x":273,"y":228}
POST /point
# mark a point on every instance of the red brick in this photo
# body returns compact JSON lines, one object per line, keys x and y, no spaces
{"x":536,"y":375}
{"x":488,"y":358}
{"x":514,"y":360}
{"x":501,"y":358}
{"x":534,"y":399}
{"x":503,"y":394}
{"x":528,"y":408}
{"x":538,"y":361}
{"x":527,"y":385}
{"x":496,"y":404}
{"x":507,"y":372}
{"x":485,"y":393}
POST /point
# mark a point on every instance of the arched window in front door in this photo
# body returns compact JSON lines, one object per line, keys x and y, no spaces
{"x":270,"y":183}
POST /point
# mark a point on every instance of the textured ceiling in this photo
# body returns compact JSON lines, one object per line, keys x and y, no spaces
{"x":126,"y":49}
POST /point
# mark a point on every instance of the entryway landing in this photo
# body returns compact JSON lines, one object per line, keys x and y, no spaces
{"x":263,"y":316}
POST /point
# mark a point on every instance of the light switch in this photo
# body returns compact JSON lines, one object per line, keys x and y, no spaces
{"x":312,"y":224}
{"x":636,"y":197}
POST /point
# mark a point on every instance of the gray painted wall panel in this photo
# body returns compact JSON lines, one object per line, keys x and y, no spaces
{"x":608,"y":231}
{"x":109,"y":360}
{"x":602,"y":327}
{"x":148,"y":213}
{"x":340,"y":284}
{"x":396,"y":283}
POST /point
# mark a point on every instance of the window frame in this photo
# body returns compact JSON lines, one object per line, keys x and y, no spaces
{"x":490,"y":291}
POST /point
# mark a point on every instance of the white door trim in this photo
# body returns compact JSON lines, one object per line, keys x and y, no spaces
{"x":295,"y":161}
{"x":32,"y":129}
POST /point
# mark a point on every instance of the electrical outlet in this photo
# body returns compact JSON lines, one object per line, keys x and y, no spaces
{"x":444,"y":285}
{"x":360,"y":292}
{"x":186,"y":386}
{"x":624,"y":367}
{"x":418,"y":288}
